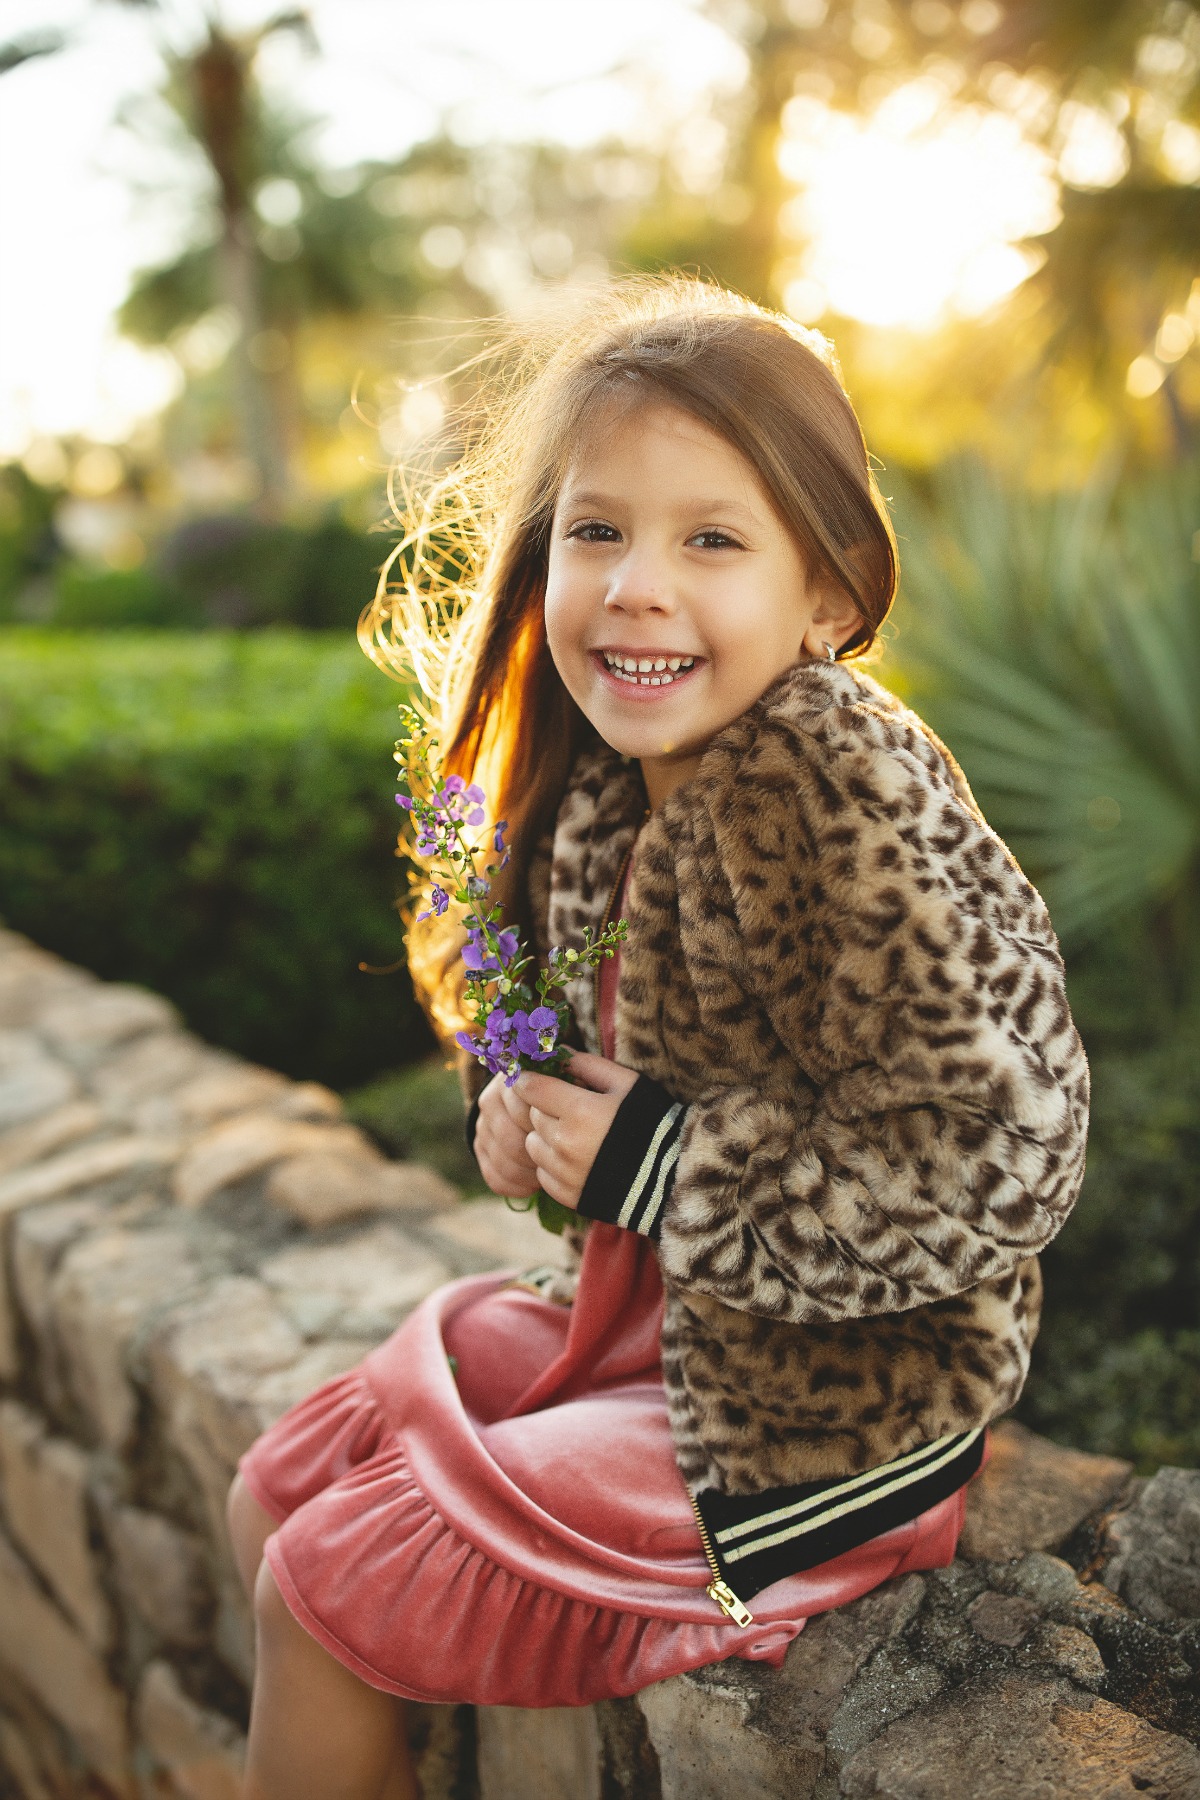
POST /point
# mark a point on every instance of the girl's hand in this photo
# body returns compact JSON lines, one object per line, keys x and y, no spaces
{"x":500,"y":1134}
{"x":569,"y":1120}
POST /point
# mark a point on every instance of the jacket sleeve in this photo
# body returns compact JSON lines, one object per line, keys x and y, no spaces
{"x":916,"y":1124}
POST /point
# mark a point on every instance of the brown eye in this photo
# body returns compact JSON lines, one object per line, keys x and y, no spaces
{"x":714,"y":540}
{"x":594,"y":531}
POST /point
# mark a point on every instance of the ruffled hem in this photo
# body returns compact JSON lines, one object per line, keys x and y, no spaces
{"x":385,"y":1582}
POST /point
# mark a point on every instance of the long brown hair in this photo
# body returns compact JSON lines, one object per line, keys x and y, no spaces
{"x":459,"y":610}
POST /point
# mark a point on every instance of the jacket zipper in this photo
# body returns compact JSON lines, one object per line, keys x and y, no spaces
{"x":718,"y":1589}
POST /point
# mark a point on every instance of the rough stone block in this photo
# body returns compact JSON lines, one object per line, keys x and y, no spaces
{"x":19,"y":1764}
{"x":487,"y":1234}
{"x":161,"y":1573}
{"x":40,"y":1237}
{"x":208,"y":1363}
{"x":231,"y":1152}
{"x":201,"y":1751}
{"x":308,"y":1100}
{"x":66,"y":1677}
{"x":1155,"y":1564}
{"x":31,"y":1082}
{"x":30,"y":979}
{"x":361,"y":1287}
{"x":90,"y":1166}
{"x":1004,"y":1619}
{"x":44,"y":1484}
{"x":542,"y":1755}
{"x":10,"y":1366}
{"x":1071,"y":1652}
{"x":320,"y":1188}
{"x":150,"y":1066}
{"x":701,"y":1727}
{"x":26,"y":1144}
{"x":1033,"y":1494}
{"x":86,"y":1024}
{"x":1019,"y":1738}
{"x":221,"y":1092}
{"x":111,"y":1285}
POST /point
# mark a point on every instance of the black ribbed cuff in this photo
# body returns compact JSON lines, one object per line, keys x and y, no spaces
{"x":630,"y":1181}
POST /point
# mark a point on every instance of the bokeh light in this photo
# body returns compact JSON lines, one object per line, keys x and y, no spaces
{"x":912,"y":213}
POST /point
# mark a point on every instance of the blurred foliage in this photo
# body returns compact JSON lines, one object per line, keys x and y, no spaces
{"x":212,"y":816}
{"x":417,"y":1113}
{"x":1056,"y":356}
{"x":213,"y":570}
{"x":1054,"y":642}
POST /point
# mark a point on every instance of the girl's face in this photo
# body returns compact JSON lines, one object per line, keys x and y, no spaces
{"x":675,"y":595}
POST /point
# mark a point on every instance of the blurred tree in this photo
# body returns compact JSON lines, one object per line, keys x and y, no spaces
{"x":213,"y":92}
{"x":445,"y":235}
{"x":20,"y":50}
{"x":1110,"y":88}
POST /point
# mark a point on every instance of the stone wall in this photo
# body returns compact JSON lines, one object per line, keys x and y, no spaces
{"x":191,"y":1243}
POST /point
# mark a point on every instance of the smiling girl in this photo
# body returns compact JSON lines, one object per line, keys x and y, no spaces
{"x":826,"y":1107}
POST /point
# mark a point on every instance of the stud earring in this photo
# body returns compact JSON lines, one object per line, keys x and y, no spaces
{"x":829,"y":650}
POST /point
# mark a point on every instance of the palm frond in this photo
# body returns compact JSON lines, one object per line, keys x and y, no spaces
{"x":1055,"y":643}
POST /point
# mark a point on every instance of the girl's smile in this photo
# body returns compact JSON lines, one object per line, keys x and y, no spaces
{"x":675,"y":596}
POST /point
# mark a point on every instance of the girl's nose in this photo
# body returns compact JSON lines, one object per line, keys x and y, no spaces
{"x":639,"y":585}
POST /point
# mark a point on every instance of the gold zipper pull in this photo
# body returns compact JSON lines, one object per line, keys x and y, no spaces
{"x":730,"y":1605}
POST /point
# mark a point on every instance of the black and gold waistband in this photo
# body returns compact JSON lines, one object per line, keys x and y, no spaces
{"x":755,"y":1539}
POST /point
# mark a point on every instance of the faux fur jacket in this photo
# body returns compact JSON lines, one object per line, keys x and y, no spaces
{"x":863,"y":1102}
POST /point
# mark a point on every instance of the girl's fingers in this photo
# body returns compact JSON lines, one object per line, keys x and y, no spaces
{"x":515,"y":1107}
{"x":546,"y":1092}
{"x":564,"y":1192}
{"x":600,"y":1074}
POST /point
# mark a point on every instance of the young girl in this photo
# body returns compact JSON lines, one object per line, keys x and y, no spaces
{"x":825,"y":1110}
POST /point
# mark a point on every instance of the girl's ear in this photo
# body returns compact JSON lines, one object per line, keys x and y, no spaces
{"x":835,"y":618}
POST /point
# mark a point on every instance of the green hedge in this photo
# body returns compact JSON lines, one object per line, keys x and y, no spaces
{"x":211,"y":815}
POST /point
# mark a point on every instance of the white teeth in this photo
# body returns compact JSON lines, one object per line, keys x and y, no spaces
{"x":638,"y":670}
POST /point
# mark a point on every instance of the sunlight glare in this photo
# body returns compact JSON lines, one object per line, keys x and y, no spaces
{"x":914,"y":214}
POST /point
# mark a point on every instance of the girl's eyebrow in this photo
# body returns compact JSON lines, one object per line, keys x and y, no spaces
{"x":591,"y":497}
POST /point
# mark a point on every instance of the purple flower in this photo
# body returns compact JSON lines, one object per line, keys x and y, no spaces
{"x":537,"y":1033}
{"x":509,"y":944}
{"x":404,"y":800}
{"x":500,"y":829}
{"x":475,"y":816}
{"x":475,"y":794}
{"x":454,"y":784}
{"x":440,"y":900}
{"x":476,"y":955}
{"x":426,"y":845}
{"x":465,"y":1041}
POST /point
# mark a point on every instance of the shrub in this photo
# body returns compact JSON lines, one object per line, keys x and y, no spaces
{"x":211,"y":815}
{"x":1054,"y":642}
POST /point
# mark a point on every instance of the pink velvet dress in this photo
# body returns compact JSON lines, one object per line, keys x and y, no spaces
{"x":513,"y":1530}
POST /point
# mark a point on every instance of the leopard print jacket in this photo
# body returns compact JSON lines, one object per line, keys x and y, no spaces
{"x":863,"y":1103}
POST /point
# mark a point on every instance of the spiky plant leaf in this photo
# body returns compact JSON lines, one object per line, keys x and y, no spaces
{"x":1055,"y":643}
